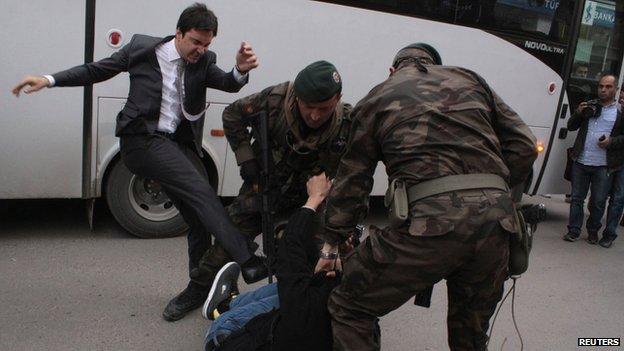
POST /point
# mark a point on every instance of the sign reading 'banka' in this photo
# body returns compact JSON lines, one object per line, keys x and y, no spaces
{"x":598,"y":14}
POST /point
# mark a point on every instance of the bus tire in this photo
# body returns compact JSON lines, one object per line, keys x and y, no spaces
{"x":139,"y":209}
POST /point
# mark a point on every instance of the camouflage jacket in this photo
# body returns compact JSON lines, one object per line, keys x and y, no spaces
{"x":296,"y":155}
{"x":425,"y":126}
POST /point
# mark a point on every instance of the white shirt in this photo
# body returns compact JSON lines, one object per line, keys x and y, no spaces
{"x":171,"y":105}
{"x":171,"y":108}
{"x":592,"y":154}
{"x":170,"y":63}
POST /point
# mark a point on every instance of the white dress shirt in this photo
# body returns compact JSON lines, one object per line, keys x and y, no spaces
{"x":171,"y":106}
{"x":170,"y":63}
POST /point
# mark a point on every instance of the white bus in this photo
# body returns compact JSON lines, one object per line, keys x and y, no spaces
{"x":60,"y":143}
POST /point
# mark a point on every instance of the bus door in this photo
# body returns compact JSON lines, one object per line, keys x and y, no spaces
{"x":598,"y":49}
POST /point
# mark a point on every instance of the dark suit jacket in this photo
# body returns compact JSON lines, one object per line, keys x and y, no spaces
{"x":615,"y":150}
{"x":142,"y":110}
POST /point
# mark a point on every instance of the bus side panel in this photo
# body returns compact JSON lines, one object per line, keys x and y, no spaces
{"x":41,"y":134}
{"x":106,"y":141}
{"x":552,"y":181}
{"x":216,"y":147}
{"x":360,"y":43}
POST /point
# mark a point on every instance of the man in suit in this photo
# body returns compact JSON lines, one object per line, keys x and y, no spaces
{"x":160,"y":129}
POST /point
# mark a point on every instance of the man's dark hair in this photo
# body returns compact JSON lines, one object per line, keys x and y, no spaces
{"x":615,"y":78}
{"x":580,"y":64}
{"x":198,"y":17}
{"x":408,"y":55}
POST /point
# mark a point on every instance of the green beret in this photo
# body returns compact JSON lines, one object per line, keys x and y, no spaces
{"x":413,"y":50}
{"x":317,"y":82}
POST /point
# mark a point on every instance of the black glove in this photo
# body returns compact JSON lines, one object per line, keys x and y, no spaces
{"x":250,"y":171}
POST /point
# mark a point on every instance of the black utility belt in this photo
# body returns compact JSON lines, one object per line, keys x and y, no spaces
{"x":165,"y":134}
{"x":399,"y":196}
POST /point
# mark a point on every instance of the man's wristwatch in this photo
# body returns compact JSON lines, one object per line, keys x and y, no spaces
{"x":328,"y":255}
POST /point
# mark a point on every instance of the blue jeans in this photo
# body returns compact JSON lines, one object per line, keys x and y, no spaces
{"x":242,"y":309}
{"x":584,"y":177}
{"x":616,"y":204}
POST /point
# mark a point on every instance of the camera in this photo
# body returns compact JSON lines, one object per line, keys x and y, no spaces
{"x":593,"y":109}
{"x":357,"y":234}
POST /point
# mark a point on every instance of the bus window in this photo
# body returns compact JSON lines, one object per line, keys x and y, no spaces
{"x":525,"y":17}
{"x":598,"y":49}
{"x":548,"y":19}
{"x":540,"y":27}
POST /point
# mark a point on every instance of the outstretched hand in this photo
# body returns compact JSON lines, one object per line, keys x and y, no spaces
{"x":246,"y":59}
{"x":318,"y":188}
{"x":32,"y":84}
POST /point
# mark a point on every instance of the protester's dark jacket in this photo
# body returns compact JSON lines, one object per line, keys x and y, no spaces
{"x":302,"y":323}
{"x":615,"y":150}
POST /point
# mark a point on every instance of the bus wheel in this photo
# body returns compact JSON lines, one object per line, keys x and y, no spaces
{"x":141,"y":206}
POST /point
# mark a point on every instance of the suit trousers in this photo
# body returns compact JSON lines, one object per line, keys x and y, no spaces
{"x":168,"y":162}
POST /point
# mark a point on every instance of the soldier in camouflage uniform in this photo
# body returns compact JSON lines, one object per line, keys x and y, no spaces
{"x":425,"y":122}
{"x":308,"y":128}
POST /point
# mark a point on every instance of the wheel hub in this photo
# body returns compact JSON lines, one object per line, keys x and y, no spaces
{"x":149,"y":200}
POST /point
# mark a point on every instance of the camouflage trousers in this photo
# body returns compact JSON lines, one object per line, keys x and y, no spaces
{"x":391,"y":267}
{"x":245,"y":213}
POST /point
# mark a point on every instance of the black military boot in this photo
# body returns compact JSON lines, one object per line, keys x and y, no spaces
{"x":571,"y":237}
{"x":606,"y":242}
{"x":592,"y":238}
{"x":254,"y":269}
{"x":189,"y":299}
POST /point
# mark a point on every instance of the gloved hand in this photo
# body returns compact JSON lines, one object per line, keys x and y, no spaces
{"x":250,"y":171}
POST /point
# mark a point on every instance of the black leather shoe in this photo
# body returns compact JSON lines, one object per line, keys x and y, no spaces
{"x":606,"y":242}
{"x":571,"y":237}
{"x":254,"y":270}
{"x":191,"y":298}
{"x":592,"y":238}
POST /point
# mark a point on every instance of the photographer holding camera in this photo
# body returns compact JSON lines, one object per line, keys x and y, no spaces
{"x":597,"y":155}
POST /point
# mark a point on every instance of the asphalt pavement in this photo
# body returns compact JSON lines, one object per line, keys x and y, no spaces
{"x":64,"y":287}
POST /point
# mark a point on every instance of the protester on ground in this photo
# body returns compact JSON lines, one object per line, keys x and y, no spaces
{"x":290,"y":314}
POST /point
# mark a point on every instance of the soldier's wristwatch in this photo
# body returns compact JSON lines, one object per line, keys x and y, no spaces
{"x":328,"y":255}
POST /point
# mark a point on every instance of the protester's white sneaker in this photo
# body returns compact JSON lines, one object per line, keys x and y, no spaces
{"x":223,"y":288}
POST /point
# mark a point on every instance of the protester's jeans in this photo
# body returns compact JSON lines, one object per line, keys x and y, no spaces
{"x":616,"y":204}
{"x":583,"y":178}
{"x":242,"y":309}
